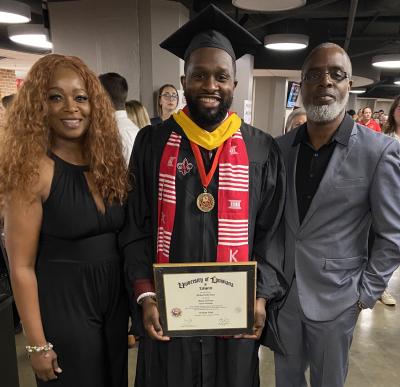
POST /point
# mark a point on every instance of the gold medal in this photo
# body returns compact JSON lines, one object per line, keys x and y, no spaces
{"x":205,"y":202}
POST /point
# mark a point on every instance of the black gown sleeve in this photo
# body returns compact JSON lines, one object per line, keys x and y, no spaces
{"x":268,"y":247}
{"x":136,"y":237}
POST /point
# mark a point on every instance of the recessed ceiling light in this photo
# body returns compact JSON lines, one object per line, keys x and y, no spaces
{"x":286,"y":42}
{"x":14,"y":12}
{"x":389,"y":61}
{"x":33,"y":35}
{"x":270,"y":5}
{"x":357,"y":91}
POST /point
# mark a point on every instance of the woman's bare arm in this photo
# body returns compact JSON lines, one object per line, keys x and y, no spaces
{"x":22,"y":224}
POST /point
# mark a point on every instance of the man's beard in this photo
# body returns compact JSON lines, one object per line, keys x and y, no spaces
{"x":325,"y":113}
{"x":207,"y":118}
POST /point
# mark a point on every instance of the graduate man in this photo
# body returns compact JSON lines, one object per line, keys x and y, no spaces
{"x":207,"y":187}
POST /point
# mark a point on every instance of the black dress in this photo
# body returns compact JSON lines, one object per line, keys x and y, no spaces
{"x":80,"y":284}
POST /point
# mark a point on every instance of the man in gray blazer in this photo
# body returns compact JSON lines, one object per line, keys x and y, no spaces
{"x":341,"y":177}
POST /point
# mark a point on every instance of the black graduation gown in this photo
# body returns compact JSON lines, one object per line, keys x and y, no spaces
{"x":202,"y":361}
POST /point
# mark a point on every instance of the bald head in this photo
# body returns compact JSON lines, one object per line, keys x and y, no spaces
{"x":330,"y":47}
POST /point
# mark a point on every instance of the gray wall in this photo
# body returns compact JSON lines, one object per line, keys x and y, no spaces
{"x":269,"y":100}
{"x":166,"y":18}
{"x":146,"y":57}
{"x":104,"y":34}
{"x":244,"y":88}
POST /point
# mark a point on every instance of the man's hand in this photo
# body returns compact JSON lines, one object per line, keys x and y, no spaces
{"x":151,"y":320}
{"x":260,"y":315}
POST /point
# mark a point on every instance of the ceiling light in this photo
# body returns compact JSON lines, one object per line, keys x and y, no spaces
{"x":286,"y":42}
{"x":34,"y":35}
{"x":389,"y":61}
{"x":397,"y":82}
{"x":14,"y":12}
{"x":357,"y":91}
{"x":270,"y":5}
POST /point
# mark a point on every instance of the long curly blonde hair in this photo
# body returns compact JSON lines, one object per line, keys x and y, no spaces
{"x":26,"y":137}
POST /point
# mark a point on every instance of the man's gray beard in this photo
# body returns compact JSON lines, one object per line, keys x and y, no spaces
{"x":325,"y":113}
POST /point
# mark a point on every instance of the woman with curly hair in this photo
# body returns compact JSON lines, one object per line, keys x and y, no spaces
{"x":63,"y":183}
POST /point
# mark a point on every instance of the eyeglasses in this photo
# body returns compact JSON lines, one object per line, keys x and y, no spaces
{"x":169,"y":96}
{"x":314,"y":76}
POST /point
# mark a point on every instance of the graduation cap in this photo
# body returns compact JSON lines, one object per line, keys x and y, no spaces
{"x":211,"y":28}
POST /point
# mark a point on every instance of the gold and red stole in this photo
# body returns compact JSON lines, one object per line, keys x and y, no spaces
{"x":233,"y":186}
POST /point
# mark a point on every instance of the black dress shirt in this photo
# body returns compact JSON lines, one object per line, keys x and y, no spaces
{"x":312,"y":163}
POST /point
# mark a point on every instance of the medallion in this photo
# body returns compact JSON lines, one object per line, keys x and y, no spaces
{"x":205,"y":202}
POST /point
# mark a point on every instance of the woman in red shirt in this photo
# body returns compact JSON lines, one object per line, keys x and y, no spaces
{"x":366,"y":120}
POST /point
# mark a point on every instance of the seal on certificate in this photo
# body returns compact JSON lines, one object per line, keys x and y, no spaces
{"x":176,"y":312}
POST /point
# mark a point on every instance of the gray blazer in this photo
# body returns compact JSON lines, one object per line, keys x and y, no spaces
{"x":328,"y":251}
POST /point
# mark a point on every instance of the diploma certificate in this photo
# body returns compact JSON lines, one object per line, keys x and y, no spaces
{"x":206,"y":299}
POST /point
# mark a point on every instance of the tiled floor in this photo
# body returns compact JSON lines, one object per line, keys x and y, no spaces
{"x":374,"y":358}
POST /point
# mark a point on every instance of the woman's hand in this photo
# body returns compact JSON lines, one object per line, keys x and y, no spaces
{"x":45,"y":365}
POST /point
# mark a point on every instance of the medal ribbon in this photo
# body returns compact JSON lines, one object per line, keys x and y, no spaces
{"x":205,"y":178}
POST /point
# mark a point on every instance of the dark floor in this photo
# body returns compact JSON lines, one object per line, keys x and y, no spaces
{"x":374,"y":358}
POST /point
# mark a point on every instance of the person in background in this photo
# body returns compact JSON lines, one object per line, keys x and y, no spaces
{"x":368,"y":121}
{"x":352,"y":114}
{"x":62,"y":189}
{"x":6,"y":103}
{"x":296,"y":118}
{"x":392,"y":129}
{"x":6,"y":100}
{"x":137,"y":113}
{"x":383,"y":121}
{"x":359,"y":115}
{"x":117,"y":89}
{"x":167,"y":103}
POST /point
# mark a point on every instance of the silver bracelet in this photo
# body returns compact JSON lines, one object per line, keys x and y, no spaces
{"x":36,"y":349}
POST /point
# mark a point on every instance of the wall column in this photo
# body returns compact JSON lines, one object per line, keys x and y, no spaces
{"x":107,"y":41}
{"x":244,"y":88}
{"x":269,"y":104}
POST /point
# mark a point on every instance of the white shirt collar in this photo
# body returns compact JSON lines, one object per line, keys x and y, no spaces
{"x":121,"y":114}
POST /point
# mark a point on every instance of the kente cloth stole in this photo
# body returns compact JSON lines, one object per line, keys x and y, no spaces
{"x":233,"y":199}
